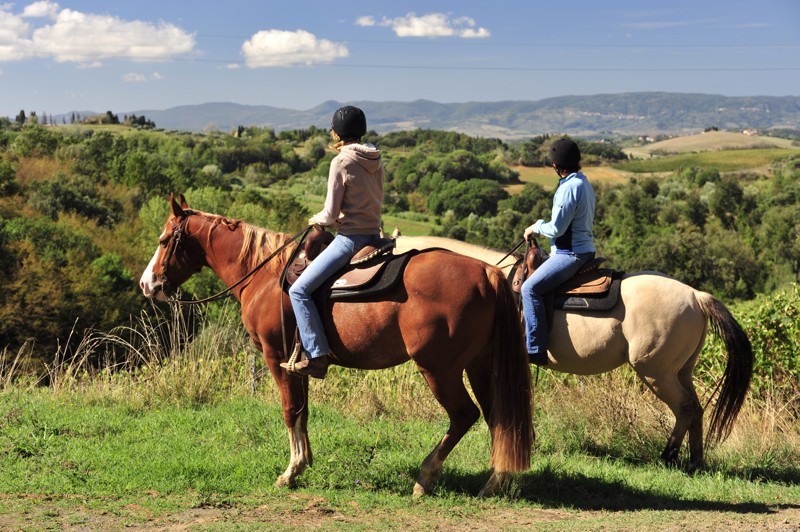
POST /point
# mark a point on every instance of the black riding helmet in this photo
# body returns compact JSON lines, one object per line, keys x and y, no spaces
{"x":564,"y":153}
{"x":349,"y":123}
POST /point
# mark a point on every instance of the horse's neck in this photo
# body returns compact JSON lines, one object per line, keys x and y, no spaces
{"x":221,"y":247}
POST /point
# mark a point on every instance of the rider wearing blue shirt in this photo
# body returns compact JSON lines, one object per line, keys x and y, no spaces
{"x":570,"y":230}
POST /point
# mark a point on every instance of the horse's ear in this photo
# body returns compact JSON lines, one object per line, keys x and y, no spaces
{"x":184,"y":205}
{"x":177,"y":210}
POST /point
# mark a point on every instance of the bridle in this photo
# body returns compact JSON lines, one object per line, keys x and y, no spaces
{"x":174,"y":242}
{"x":178,"y":230}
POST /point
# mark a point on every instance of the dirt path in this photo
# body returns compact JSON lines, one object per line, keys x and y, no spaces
{"x":302,"y":511}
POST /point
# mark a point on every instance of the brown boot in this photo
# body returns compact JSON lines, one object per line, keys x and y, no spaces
{"x":311,"y":367}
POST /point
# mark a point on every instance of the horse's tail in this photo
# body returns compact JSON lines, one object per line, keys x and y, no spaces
{"x":511,"y":421}
{"x":738,"y":370}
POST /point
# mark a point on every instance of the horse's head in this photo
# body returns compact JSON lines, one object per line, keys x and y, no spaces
{"x":173,"y":262}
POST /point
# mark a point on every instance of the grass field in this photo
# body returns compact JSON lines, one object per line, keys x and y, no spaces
{"x":709,"y":141}
{"x":546,"y":177}
{"x":102,"y":457}
{"x":753,"y":160}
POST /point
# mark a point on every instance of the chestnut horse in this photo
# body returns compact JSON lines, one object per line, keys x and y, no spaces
{"x":659,"y":327}
{"x":450,"y":314}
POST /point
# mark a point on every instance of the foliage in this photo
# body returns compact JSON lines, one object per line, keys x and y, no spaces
{"x":92,"y":199}
{"x":773,"y":325}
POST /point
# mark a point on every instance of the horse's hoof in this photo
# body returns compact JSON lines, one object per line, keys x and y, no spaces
{"x":670,"y":458}
{"x":494,"y":485}
{"x":285,"y":482}
{"x":695,"y":467}
{"x":419,"y":491}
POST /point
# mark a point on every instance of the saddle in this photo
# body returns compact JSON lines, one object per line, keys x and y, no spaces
{"x":372,"y":270}
{"x":592,"y":288}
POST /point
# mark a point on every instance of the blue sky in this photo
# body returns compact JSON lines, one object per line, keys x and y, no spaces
{"x":123,"y":55}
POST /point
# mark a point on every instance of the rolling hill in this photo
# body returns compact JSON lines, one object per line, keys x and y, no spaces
{"x":644,"y":113}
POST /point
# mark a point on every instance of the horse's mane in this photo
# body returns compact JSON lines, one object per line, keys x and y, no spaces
{"x":257,"y":243}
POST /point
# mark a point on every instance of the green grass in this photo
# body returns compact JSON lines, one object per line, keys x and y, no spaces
{"x":80,"y":459}
{"x":724,"y":161}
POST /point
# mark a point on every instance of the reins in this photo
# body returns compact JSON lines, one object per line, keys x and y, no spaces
{"x":530,"y":241}
{"x":227,"y":292}
{"x":521,"y":242}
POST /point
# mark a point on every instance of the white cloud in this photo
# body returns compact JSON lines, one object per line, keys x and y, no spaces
{"x":271,"y":48}
{"x":15,"y":43}
{"x":138,"y":77}
{"x":41,"y":9}
{"x":87,"y":38}
{"x":365,"y":21}
{"x":430,"y":25}
{"x":134,"y":77}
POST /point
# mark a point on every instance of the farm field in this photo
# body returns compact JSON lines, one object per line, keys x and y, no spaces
{"x":709,"y":141}
{"x":547,"y":178}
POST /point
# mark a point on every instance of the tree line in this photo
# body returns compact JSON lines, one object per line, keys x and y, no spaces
{"x":81,"y":208}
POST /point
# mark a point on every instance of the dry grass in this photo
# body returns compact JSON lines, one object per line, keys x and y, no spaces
{"x":32,"y":169}
{"x":163,"y":360}
{"x":545,"y":176}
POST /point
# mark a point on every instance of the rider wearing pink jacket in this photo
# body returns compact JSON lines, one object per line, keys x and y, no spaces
{"x":353,"y":208}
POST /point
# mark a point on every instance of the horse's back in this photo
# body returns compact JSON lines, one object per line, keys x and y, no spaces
{"x":653,"y":309}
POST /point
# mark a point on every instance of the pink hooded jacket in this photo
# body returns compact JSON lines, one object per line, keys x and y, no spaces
{"x":355,"y":191}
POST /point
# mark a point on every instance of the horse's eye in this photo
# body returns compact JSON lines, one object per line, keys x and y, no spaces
{"x":163,"y":243}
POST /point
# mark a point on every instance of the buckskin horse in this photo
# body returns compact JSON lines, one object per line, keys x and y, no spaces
{"x":449,"y":314}
{"x":658,"y":327}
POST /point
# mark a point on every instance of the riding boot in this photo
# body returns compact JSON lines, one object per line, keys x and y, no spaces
{"x":311,"y":367}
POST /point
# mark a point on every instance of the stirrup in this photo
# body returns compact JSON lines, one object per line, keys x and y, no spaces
{"x":295,"y":356}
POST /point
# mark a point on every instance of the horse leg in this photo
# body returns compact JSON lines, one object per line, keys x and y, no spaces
{"x":449,"y":390}
{"x":300,"y":454}
{"x":686,"y":377}
{"x":294,"y":400}
{"x":684,"y":405}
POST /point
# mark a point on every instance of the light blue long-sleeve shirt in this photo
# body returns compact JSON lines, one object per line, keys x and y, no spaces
{"x":571,"y":225}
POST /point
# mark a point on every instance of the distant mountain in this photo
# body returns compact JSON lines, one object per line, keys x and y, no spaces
{"x":587,"y":116}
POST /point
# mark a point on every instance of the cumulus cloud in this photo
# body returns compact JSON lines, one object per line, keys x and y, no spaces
{"x":81,"y":37}
{"x":86,"y":38}
{"x":429,"y":25}
{"x":15,"y":43}
{"x":40,"y":10}
{"x":272,"y":48}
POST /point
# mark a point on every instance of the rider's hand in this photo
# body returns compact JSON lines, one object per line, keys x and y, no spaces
{"x":529,"y":232}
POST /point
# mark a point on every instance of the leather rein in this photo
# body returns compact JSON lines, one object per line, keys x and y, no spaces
{"x":178,"y":231}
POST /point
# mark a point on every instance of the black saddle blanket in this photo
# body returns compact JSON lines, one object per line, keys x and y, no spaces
{"x":390,"y":273}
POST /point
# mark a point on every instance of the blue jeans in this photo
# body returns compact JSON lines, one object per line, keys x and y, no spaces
{"x":553,"y":272}
{"x":333,"y":258}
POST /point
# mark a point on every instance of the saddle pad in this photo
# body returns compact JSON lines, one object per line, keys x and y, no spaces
{"x":587,"y":301}
{"x":389,"y":271}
